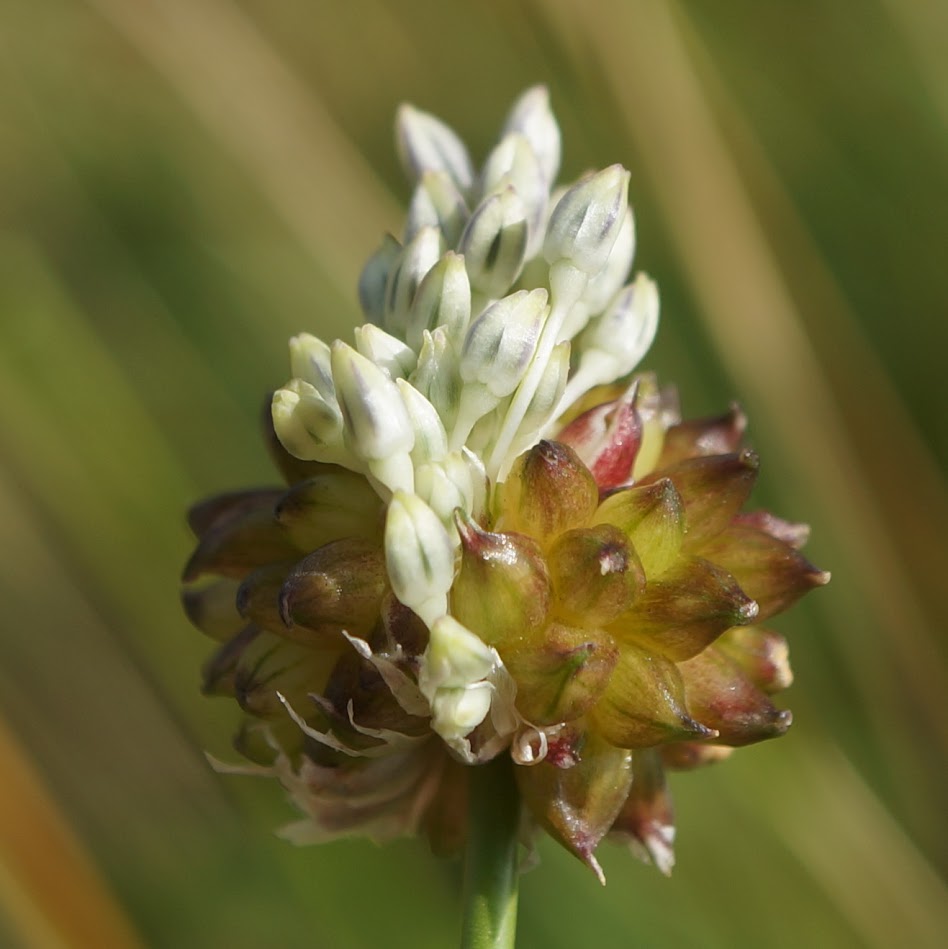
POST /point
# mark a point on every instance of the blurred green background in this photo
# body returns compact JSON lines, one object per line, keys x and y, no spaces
{"x":185,"y":183}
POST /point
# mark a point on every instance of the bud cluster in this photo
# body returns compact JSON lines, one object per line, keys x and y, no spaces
{"x":494,"y":537}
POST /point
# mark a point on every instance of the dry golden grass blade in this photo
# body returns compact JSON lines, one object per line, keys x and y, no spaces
{"x":247,"y":97}
{"x":752,"y":318}
{"x":48,"y":885}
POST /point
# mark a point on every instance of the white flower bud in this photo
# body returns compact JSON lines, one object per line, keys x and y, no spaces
{"x":374,"y":278}
{"x":417,"y":259}
{"x":606,"y":284}
{"x":435,"y":484}
{"x":540,"y":411}
{"x":494,"y":243}
{"x":513,"y":163}
{"x":585,"y":223}
{"x":613,"y":344}
{"x":377,"y":423}
{"x":455,"y":657}
{"x":419,"y":556}
{"x":437,"y":203}
{"x":425,"y":143}
{"x":306,"y":424}
{"x":542,"y":407}
{"x":627,"y":328}
{"x":436,"y":375}
{"x":443,"y":299}
{"x":310,"y":361}
{"x":532,"y":117}
{"x":457,"y":712}
{"x":431,"y":442}
{"x":386,"y":351}
{"x":501,"y":341}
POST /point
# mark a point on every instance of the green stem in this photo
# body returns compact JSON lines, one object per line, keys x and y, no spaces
{"x":491,"y":875}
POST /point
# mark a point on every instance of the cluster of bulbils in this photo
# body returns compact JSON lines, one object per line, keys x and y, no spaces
{"x":495,"y":538}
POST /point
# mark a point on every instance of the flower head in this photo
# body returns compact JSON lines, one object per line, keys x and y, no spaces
{"x":495,"y":538}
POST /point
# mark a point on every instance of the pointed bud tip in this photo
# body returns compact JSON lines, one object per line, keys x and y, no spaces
{"x":749,"y":459}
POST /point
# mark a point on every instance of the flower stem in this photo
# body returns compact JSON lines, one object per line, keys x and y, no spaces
{"x":491,"y":875}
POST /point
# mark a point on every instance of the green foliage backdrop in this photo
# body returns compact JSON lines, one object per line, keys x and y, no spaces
{"x":184,"y":184}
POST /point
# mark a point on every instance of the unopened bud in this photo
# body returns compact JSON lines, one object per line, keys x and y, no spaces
{"x":501,"y":341}
{"x":502,"y":590}
{"x":606,"y":284}
{"x":455,"y":657}
{"x":374,"y":279}
{"x":586,"y":222}
{"x":308,"y":426}
{"x":419,"y":556}
{"x":425,"y":143}
{"x":431,"y":442}
{"x":614,"y":343}
{"x":418,"y":257}
{"x":532,"y":117}
{"x":378,"y":427}
{"x":457,"y":712}
{"x":514,"y":163}
{"x":443,"y":300}
{"x":437,"y":203}
{"x":436,"y":375}
{"x":310,"y":360}
{"x":494,"y":242}
{"x":386,"y":351}
{"x":442,"y":493}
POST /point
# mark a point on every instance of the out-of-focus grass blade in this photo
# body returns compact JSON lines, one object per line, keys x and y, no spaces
{"x":216,"y":60}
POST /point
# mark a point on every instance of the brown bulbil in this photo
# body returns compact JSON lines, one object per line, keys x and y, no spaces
{"x":561,"y":673}
{"x":548,"y":491}
{"x":596,"y":574}
{"x":502,"y":590}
